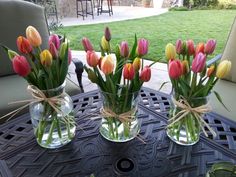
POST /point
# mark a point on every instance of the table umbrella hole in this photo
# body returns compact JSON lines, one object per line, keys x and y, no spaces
{"x":125,"y":165}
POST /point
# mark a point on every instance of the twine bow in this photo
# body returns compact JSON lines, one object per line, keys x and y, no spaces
{"x":196,"y":111}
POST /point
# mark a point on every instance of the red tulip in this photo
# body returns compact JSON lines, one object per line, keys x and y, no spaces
{"x":92,"y":58}
{"x":210,"y":46}
{"x":200,"y":48}
{"x":124,"y":49}
{"x":53,"y":50}
{"x":69,"y":56}
{"x":87,"y":44}
{"x":175,"y":68}
{"x":21,"y":66}
{"x":128,"y":71}
{"x":145,"y":74}
{"x":199,"y":63}
{"x":142,"y":48}
{"x":190,"y":47}
{"x":55,"y":40}
{"x":178,"y":46}
{"x":107,"y":34}
{"x":23,"y":45}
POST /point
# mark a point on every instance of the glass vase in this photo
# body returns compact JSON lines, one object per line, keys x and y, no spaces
{"x":52,"y":128}
{"x":187,"y":130}
{"x":119,"y":122}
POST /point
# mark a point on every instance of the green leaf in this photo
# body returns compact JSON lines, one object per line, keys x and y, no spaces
{"x":133,"y":51}
{"x":64,"y":66}
{"x":219,"y":99}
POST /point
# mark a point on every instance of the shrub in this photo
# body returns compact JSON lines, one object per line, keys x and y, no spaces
{"x":178,"y":9}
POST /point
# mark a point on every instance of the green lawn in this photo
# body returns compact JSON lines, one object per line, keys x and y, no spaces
{"x":198,"y":25}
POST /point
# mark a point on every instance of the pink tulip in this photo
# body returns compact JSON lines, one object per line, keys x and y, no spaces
{"x":69,"y":56}
{"x":142,"y":48}
{"x":21,"y":66}
{"x":55,"y":40}
{"x":23,"y":45}
{"x":124,"y":49}
{"x":190,"y":47}
{"x":53,"y":50}
{"x":128,"y":71}
{"x":175,"y":68}
{"x":87,"y":44}
{"x":178,"y":46}
{"x":92,"y":58}
{"x":199,"y":63}
{"x":145,"y":74}
{"x":210,"y":46}
{"x":107,"y":34}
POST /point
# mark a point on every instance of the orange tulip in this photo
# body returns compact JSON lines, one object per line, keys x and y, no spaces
{"x":210,"y":70}
{"x":200,"y":48}
{"x":128,"y":71}
{"x":33,"y":36}
{"x":185,"y":66}
{"x":107,"y":65}
{"x":92,"y":58}
{"x":23,"y":45}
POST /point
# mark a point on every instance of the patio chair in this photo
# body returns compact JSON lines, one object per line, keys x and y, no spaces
{"x":15,"y":16}
{"x":227,"y":87}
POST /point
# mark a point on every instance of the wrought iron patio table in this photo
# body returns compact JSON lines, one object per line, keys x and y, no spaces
{"x":152,"y":154}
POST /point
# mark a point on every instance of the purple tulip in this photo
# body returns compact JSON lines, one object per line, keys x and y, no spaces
{"x":53,"y":50}
{"x":124,"y":49}
{"x":55,"y":40}
{"x":107,"y":34}
{"x":199,"y":63}
{"x":210,"y":46}
{"x":178,"y":46}
{"x":142,"y":48}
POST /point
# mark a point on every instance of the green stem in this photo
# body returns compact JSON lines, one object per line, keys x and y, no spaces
{"x":49,"y":139}
{"x":58,"y":127}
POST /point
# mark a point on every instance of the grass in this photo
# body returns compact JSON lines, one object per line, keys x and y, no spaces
{"x":198,"y":25}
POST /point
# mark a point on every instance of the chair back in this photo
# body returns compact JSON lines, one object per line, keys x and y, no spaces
{"x":15,"y":16}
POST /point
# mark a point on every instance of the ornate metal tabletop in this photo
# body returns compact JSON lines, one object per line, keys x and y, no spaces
{"x":90,"y":154}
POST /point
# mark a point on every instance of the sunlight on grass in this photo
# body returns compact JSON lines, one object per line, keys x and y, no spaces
{"x":198,"y":25}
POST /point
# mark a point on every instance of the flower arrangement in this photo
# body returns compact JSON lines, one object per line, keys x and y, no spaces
{"x":119,"y":80}
{"x":45,"y":71}
{"x":192,"y":81}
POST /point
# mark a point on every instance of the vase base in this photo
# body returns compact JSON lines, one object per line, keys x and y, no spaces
{"x":181,"y":140}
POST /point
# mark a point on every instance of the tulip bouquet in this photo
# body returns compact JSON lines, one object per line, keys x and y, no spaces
{"x":192,"y":81}
{"x":45,"y":71}
{"x":119,"y":78}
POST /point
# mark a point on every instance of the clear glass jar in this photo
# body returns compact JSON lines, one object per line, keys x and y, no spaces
{"x":187,"y":130}
{"x":52,"y":128}
{"x":123,"y":128}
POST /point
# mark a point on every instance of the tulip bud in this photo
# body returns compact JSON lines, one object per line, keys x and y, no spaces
{"x":199,"y":63}
{"x":107,"y":34}
{"x":137,"y":63}
{"x":87,"y":44}
{"x":12,"y":54}
{"x":223,"y":69}
{"x":145,"y":74}
{"x":210,"y":71}
{"x":210,"y":46}
{"x":21,"y":66}
{"x":128,"y":71}
{"x":92,"y":76}
{"x":69,"y":56}
{"x":107,"y":65}
{"x":175,"y":68}
{"x":190,"y":47}
{"x":178,"y":46}
{"x":142,"y":48}
{"x":92,"y":58}
{"x":55,"y":40}
{"x":124,"y":49}
{"x":200,"y":48}
{"x":184,"y":48}
{"x":105,"y":44}
{"x":170,"y":51}
{"x":46,"y":58}
{"x":185,"y":66}
{"x":33,"y":36}
{"x":23,"y":45}
{"x":53,"y":50}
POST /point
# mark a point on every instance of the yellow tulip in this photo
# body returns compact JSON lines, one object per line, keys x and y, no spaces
{"x":107,"y":65}
{"x":33,"y":36}
{"x":137,"y":63}
{"x":170,"y":51}
{"x":185,"y":66}
{"x":223,"y":69}
{"x":46,"y":58}
{"x":105,"y":44}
